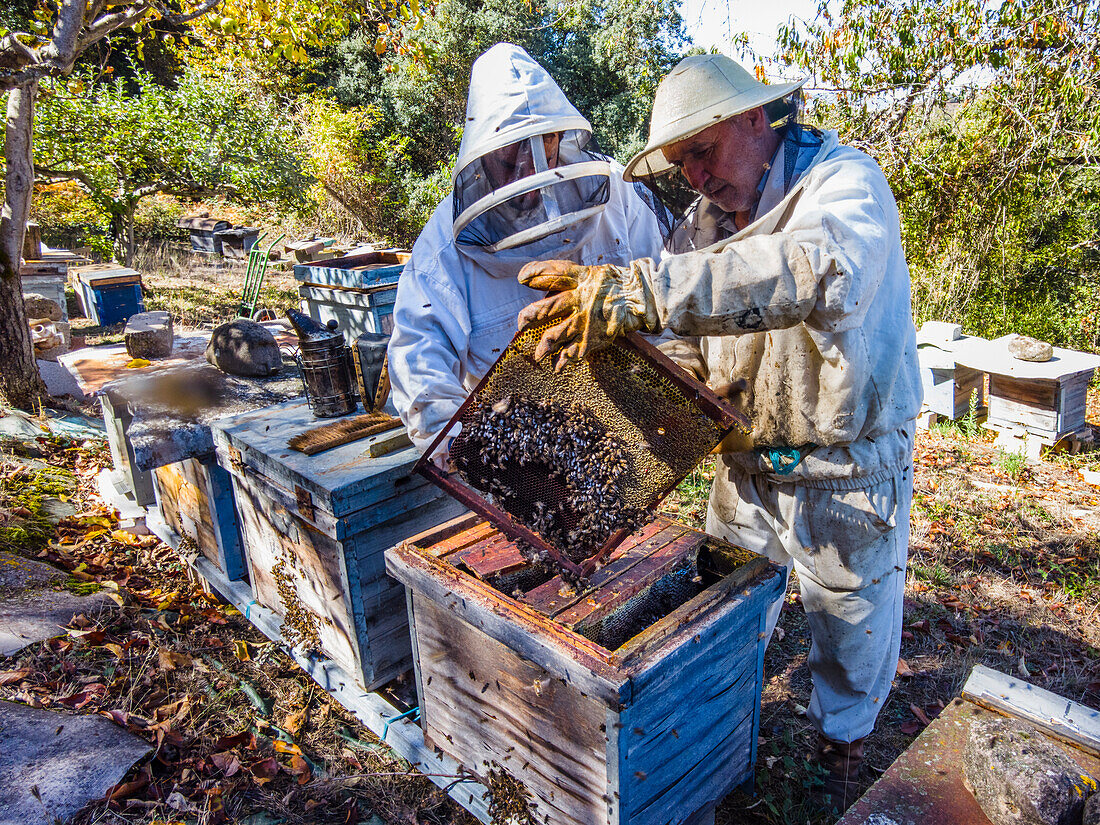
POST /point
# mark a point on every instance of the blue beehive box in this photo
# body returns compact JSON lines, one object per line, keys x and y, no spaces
{"x":356,"y":291}
{"x":108,"y":293}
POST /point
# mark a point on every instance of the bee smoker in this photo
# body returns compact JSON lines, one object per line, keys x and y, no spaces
{"x":324,"y":362}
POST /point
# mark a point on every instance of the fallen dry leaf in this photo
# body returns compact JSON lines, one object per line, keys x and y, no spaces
{"x":226,"y":762}
{"x":294,"y":722}
{"x":170,"y":659}
{"x":11,"y":677}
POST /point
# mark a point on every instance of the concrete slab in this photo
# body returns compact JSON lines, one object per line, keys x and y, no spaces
{"x":33,"y":604}
{"x":925,"y":785}
{"x":59,"y":380}
{"x":71,"y":760}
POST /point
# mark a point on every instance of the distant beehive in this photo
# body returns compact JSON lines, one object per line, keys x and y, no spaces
{"x":948,"y":386}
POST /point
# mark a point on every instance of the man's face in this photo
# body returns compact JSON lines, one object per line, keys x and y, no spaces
{"x":725,"y":162}
{"x":514,"y":162}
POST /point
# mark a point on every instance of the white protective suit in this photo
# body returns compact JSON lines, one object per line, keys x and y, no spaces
{"x":806,"y":322}
{"x":457,"y":302}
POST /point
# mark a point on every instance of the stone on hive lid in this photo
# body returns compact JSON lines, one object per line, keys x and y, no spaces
{"x":149,"y":335}
{"x":1020,"y":778}
{"x":39,"y":306}
{"x":1026,"y":348}
{"x":243,"y":347}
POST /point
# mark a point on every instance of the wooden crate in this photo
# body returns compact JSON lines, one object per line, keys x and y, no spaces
{"x":365,"y":270}
{"x":947,"y":390}
{"x":195,"y":497}
{"x":314,"y":529}
{"x":1049,"y":409}
{"x":355,"y":310}
{"x":648,"y":731}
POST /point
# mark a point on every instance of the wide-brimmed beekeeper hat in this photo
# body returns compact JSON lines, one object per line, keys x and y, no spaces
{"x":702,"y":90}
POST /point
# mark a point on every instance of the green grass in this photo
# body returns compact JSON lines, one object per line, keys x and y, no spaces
{"x":1012,"y":464}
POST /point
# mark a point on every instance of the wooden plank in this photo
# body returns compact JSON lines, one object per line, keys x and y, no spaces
{"x":181,"y":494}
{"x":490,"y":556}
{"x":452,"y":542}
{"x":612,"y":595}
{"x":688,"y":742}
{"x":487,"y":706}
{"x":1061,"y":718}
{"x":1033,"y":392}
{"x":554,"y":597}
{"x":699,"y":751}
{"x":1001,"y":410}
{"x":298,"y":572}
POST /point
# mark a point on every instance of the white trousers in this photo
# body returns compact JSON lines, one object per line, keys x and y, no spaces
{"x":849,"y":548}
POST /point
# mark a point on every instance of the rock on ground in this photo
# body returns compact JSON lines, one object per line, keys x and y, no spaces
{"x":64,"y":759}
{"x":1026,"y":348}
{"x":243,"y":347}
{"x":1020,"y":778}
{"x":1092,"y":810}
{"x":39,"y":306}
{"x":33,"y":605}
{"x":149,"y":335}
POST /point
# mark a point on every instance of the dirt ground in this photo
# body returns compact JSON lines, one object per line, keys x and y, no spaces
{"x":1004,"y":570}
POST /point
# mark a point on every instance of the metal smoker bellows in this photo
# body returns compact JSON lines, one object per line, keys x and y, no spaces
{"x":572,"y":462}
{"x":324,"y":362}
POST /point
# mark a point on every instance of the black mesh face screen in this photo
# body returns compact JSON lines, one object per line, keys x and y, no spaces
{"x":579,"y":455}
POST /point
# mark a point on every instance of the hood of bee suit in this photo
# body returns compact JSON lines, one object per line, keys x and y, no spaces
{"x":542,"y":210}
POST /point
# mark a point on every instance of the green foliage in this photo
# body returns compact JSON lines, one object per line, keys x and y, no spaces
{"x":607,"y":55}
{"x":199,"y":138}
{"x":1012,"y":464}
{"x":981,"y":116}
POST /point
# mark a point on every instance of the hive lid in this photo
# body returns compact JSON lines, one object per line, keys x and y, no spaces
{"x":572,"y":462}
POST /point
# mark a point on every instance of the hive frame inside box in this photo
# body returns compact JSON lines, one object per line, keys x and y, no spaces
{"x":649,"y":734}
{"x":710,"y":404}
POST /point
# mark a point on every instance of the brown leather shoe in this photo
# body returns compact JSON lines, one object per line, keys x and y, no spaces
{"x":842,"y":762}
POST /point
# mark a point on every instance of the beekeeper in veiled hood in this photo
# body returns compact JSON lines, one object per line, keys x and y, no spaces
{"x":526,"y":188}
{"x":789,"y":271}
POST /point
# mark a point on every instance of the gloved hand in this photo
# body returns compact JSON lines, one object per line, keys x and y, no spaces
{"x":597,"y":303}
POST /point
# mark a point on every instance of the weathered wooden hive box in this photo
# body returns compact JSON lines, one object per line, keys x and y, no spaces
{"x":635,"y":700}
{"x":948,"y":386}
{"x":202,"y":232}
{"x":195,"y":498}
{"x":1044,"y":399}
{"x":356,"y":291}
{"x":314,"y":529}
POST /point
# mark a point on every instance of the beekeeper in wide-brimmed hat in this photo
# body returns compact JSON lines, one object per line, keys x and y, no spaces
{"x":527,"y":186}
{"x":788,"y":271}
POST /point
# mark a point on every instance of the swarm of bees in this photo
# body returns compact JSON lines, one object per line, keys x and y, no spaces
{"x":555,"y":469}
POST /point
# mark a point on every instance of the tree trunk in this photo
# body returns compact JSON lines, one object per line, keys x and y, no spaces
{"x":20,"y":383}
{"x":122,"y":235}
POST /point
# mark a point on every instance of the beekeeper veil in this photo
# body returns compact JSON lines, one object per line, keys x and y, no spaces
{"x":525,"y":187}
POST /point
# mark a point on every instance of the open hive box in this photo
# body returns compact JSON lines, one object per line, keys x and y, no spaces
{"x":632,"y":697}
{"x":571,"y":462}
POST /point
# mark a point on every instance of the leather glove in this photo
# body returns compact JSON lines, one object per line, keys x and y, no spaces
{"x":596,"y":303}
